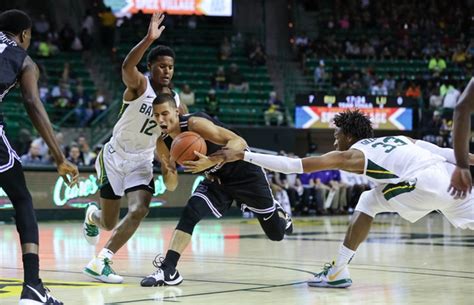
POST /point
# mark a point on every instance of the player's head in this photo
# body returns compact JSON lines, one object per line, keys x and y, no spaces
{"x":351,"y":126}
{"x":166,"y":112}
{"x":17,"y":24}
{"x":160,"y":62}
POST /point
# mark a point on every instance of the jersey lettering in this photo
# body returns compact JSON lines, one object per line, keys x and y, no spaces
{"x":368,"y":141}
{"x":146,"y":110}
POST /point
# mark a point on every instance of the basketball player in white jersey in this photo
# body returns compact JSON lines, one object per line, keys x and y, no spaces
{"x":412,"y":178}
{"x":461,"y":180}
{"x":125,"y":164}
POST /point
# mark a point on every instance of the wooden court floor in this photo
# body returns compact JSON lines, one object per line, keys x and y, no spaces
{"x":231,"y":262}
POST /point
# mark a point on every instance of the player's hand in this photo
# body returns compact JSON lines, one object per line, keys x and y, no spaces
{"x":69,"y":172}
{"x":461,"y":183}
{"x":227,"y":155}
{"x":169,"y":164}
{"x":199,"y":165}
{"x":155,"y":28}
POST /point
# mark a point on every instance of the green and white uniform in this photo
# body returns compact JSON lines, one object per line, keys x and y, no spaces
{"x":126,"y":160}
{"x":411,"y":180}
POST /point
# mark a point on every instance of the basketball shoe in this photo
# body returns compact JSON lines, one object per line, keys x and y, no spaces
{"x":99,"y":269}
{"x":332,"y":277}
{"x":90,"y":229}
{"x":286,"y":216}
{"x":164,"y":275}
{"x":37,"y":295}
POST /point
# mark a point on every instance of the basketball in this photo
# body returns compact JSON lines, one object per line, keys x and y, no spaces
{"x":184,"y":145}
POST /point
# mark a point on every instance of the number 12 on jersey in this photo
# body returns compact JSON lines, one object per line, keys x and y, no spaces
{"x":148,"y":126}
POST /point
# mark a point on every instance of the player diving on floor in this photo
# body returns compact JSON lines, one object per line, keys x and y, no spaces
{"x":412,"y":178}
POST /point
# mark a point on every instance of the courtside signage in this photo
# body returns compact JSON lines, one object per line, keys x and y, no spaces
{"x":49,"y":191}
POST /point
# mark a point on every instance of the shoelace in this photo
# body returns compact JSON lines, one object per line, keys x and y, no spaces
{"x":49,"y":296}
{"x":326,"y":268}
{"x":157,"y":263}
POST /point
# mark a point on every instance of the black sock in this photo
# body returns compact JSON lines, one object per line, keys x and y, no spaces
{"x":31,"y":268}
{"x":171,"y":259}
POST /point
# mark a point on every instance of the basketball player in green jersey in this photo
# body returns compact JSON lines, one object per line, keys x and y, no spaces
{"x":461,"y":180}
{"x":411,"y":176}
{"x":125,"y":164}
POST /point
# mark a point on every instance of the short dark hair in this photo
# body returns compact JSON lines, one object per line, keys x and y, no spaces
{"x":159,"y":51}
{"x":164,"y":98}
{"x":354,"y":123}
{"x":14,"y":21}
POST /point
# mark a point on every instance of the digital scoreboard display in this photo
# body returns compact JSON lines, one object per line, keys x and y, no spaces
{"x":222,"y":8}
{"x":385,"y":112}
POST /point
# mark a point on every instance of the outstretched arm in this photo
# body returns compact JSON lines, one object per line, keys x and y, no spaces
{"x":351,"y":160}
{"x":215,"y":134}
{"x":35,"y":109}
{"x":132,"y":78}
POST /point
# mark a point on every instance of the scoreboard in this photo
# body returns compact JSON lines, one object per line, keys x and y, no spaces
{"x":385,"y":112}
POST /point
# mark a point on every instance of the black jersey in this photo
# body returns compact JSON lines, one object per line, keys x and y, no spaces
{"x":224,"y":172}
{"x":12,"y":57}
{"x":239,"y":181}
{"x":11,"y":63}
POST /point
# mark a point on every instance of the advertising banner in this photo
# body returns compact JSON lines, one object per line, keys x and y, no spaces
{"x":386,"y":112}
{"x":382,"y":118}
{"x":50,"y":192}
{"x":221,"y":8}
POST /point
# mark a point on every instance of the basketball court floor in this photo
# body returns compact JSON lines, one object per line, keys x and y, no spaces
{"x":231,"y":262}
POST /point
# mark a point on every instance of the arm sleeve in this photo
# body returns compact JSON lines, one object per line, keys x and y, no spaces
{"x":275,"y":163}
{"x":447,"y":153}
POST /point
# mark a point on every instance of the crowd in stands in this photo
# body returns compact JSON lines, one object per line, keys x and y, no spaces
{"x":403,"y":30}
{"x":227,"y":77}
{"x":329,"y":192}
{"x":434,"y":31}
{"x":69,"y":94}
{"x":63,"y":90}
{"x":35,"y":152}
{"x":230,"y":80}
{"x":400,"y":34}
{"x":48,"y":41}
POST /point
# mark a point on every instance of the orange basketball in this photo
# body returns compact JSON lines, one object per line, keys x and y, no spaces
{"x":184,"y":145}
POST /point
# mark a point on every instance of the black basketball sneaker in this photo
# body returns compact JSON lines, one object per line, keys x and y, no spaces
{"x":37,"y":295}
{"x":163,"y":276}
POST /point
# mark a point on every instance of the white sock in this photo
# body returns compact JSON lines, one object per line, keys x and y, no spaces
{"x":106,"y":253}
{"x":345,"y":256}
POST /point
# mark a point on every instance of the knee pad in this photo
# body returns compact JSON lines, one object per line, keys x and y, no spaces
{"x":192,"y":213}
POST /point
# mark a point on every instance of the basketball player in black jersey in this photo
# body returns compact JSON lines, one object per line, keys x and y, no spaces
{"x":17,"y":66}
{"x":240,"y":181}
